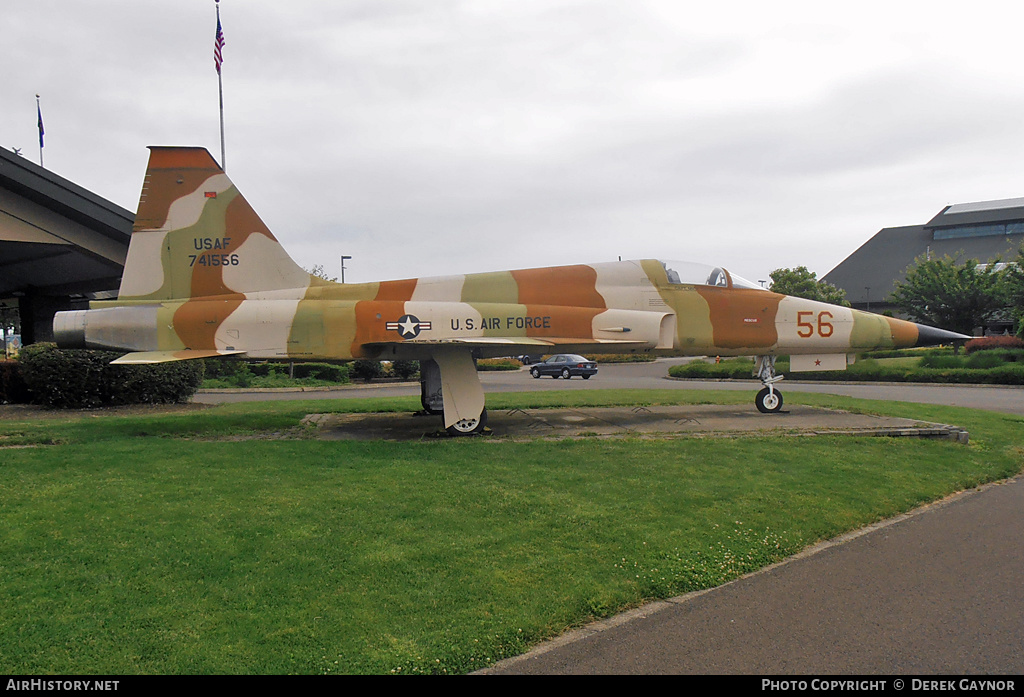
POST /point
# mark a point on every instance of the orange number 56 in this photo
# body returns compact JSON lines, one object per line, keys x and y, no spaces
{"x":807,"y":328}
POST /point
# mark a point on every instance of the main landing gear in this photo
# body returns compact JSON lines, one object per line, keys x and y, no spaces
{"x":768,"y":400}
{"x":450,"y":387}
{"x":469,"y":426}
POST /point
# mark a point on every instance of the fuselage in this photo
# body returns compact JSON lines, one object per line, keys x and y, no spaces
{"x":627,"y":307}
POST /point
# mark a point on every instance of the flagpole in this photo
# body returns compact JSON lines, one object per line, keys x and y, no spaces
{"x":223,"y":159}
{"x":219,"y":42}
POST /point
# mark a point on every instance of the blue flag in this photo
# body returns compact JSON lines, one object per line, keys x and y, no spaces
{"x":39,"y":111}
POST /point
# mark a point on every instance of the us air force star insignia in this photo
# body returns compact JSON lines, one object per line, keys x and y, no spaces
{"x":409,"y":326}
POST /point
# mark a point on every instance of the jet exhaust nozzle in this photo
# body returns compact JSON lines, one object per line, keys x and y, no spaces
{"x":113,"y":328}
{"x":69,"y":329}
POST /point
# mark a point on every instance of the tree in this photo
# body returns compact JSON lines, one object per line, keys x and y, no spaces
{"x":1013,"y":286}
{"x":366,"y":370}
{"x":404,"y":370}
{"x":803,"y":283}
{"x":318,"y":271}
{"x":955,"y":296}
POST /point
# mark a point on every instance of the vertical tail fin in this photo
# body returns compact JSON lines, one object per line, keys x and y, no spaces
{"x":196,"y":236}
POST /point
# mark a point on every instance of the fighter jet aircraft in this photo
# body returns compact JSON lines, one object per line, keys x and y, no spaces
{"x":205,"y":277}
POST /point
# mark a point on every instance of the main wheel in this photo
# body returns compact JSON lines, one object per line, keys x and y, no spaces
{"x":768,"y":401}
{"x":566,"y":374}
{"x":469,"y":427}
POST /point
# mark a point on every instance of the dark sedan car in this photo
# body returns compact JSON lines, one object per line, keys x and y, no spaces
{"x":565,"y":365}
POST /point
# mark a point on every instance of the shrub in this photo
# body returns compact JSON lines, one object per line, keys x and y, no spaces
{"x":932,"y":361}
{"x":988,"y":359}
{"x":230,"y":370}
{"x":621,"y":357}
{"x":987,"y":343}
{"x":77,"y":378}
{"x":1003,"y":373}
{"x":731,"y":368}
{"x":486,"y":364}
{"x":322,"y":371}
{"x":366,"y":370}
{"x":404,"y":370}
{"x":909,"y":353}
{"x":12,"y":388}
{"x":262,"y":370}
{"x":226,"y":372}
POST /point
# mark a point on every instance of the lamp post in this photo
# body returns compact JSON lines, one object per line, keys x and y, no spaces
{"x":343,"y":258}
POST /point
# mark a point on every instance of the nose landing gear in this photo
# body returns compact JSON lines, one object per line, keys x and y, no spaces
{"x":768,"y":400}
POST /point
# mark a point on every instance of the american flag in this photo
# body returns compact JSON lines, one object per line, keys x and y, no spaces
{"x":218,"y":45}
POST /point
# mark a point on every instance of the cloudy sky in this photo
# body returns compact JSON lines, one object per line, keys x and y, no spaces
{"x":429,"y":137}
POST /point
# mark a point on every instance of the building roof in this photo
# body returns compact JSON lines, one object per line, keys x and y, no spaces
{"x":55,"y":236}
{"x":1008,"y":209}
{"x":983,"y":231}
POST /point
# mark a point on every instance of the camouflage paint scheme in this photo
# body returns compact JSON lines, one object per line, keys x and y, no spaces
{"x":204,"y":277}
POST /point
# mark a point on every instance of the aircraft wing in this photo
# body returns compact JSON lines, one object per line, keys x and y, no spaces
{"x":488,"y":341}
{"x":500,"y":345}
{"x":481,"y":342}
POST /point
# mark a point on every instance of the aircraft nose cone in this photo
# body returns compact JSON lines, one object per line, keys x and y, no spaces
{"x":930,"y":336}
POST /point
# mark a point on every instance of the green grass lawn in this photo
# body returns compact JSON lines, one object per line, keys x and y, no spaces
{"x":189,"y":543}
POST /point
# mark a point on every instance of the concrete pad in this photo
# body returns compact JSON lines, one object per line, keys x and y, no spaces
{"x":690,"y":420}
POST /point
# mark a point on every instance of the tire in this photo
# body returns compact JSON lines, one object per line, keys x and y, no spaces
{"x":566,"y":374}
{"x":535,"y":372}
{"x":768,"y":401}
{"x":469,"y":427}
{"x":585,"y":377}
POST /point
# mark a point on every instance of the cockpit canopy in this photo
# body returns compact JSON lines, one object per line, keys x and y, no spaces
{"x":692,"y":273}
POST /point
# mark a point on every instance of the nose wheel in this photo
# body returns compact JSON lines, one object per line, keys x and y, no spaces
{"x":768,"y":400}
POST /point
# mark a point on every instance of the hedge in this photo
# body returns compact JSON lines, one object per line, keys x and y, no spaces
{"x":367,"y":370}
{"x":987,"y":343}
{"x":80,"y":378}
{"x":405,"y":370}
{"x":490,"y":364}
{"x":12,"y":387}
{"x":322,"y":371}
{"x":238,"y":373}
{"x":868,"y":370}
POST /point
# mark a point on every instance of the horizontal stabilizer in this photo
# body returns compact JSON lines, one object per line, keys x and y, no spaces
{"x":145,"y":357}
